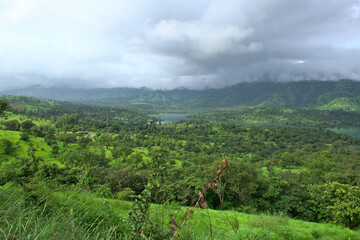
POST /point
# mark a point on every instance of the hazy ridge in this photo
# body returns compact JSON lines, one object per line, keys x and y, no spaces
{"x":319,"y":94}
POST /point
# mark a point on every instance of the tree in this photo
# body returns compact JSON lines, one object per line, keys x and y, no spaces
{"x":12,"y":125}
{"x":105,"y":139}
{"x":7,"y":146}
{"x":286,"y":160}
{"x":243,"y":180}
{"x":344,"y":203}
{"x":336,"y":202}
{"x":55,"y":148}
{"x":28,"y":124}
{"x":25,"y":136}
{"x":84,"y":158}
{"x":4,"y":105}
{"x":68,"y":138}
{"x":135,"y":158}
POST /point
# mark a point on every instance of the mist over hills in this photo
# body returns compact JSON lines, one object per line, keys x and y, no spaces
{"x":318,"y":94}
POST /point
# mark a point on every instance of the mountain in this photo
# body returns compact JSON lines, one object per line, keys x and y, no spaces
{"x":110,"y":96}
{"x":285,"y":94}
{"x":343,"y":103}
{"x":40,"y":107}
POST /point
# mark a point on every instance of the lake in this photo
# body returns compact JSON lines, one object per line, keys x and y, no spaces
{"x":173,"y":117}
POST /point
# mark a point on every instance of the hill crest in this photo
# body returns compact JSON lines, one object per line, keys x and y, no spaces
{"x":279,"y":94}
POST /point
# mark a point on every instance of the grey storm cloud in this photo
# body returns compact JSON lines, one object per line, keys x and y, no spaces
{"x":168,"y":44}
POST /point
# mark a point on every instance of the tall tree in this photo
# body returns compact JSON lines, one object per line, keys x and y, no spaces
{"x":4,"y":105}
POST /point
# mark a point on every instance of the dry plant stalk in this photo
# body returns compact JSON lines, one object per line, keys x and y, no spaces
{"x":200,"y":202}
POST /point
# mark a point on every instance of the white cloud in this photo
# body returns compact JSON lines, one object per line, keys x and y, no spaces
{"x":167,"y":44}
{"x":203,"y":39}
{"x":298,"y":61}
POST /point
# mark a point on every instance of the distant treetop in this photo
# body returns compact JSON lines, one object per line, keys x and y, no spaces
{"x":3,"y":105}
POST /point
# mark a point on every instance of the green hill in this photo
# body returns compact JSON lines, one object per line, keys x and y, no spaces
{"x":343,"y":103}
{"x":279,"y":94}
{"x":45,"y":108}
{"x":75,"y":215}
{"x":73,"y":171}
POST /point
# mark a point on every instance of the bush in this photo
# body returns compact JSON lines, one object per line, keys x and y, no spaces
{"x":12,"y":125}
{"x":4,"y":105}
{"x":28,"y":124}
{"x":7,"y":146}
{"x":336,"y":202}
{"x":25,"y":136}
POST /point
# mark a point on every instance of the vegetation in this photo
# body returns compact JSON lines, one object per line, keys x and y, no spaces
{"x":3,"y":106}
{"x":283,"y":116}
{"x":343,"y":103}
{"x":72,"y":215}
{"x":97,"y":159}
{"x":301,"y":94}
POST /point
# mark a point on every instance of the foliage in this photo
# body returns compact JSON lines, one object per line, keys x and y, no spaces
{"x":84,"y":158}
{"x":42,"y":214}
{"x":28,"y":124}
{"x":108,"y":156}
{"x":242,"y":181}
{"x":25,"y":136}
{"x":3,"y":105}
{"x":142,"y":226}
{"x":12,"y":125}
{"x":343,"y":103}
{"x":264,"y":94}
{"x":7,"y":146}
{"x":283,"y":116}
{"x":39,"y":214}
{"x":343,"y":202}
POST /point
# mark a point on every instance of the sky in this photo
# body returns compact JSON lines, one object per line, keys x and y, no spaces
{"x":167,"y":44}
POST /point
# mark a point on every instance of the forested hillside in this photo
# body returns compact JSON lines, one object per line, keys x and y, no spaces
{"x":283,"y":116}
{"x":82,"y":164}
{"x":314,"y":94}
{"x":45,"y":108}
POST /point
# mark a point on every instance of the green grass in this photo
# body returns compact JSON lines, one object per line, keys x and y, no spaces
{"x":20,"y":148}
{"x":8,"y":116}
{"x":79,"y":215}
{"x":235,"y":225}
{"x":23,"y":218}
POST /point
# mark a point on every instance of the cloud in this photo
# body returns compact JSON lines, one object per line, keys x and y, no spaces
{"x":202,"y":39}
{"x":170,"y":44}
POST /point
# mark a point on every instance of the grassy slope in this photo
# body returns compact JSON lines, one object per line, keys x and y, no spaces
{"x":344,"y":103}
{"x":105,"y":214}
{"x":20,"y":147}
{"x":234,"y":225}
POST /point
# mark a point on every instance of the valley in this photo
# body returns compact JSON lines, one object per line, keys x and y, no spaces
{"x":123,"y":171}
{"x":179,"y":120}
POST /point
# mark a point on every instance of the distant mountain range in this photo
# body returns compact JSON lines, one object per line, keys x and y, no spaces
{"x":342,"y":94}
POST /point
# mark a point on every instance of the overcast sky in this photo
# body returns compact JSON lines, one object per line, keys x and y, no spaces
{"x":176,"y":43}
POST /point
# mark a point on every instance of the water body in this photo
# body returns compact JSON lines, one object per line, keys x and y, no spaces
{"x":349,"y":130}
{"x":173,"y":117}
